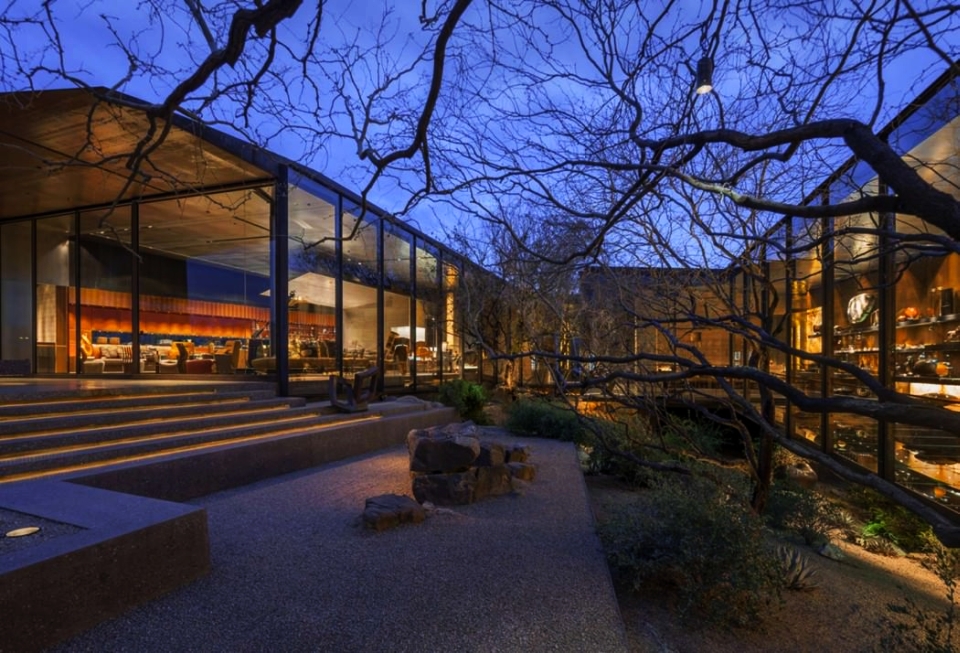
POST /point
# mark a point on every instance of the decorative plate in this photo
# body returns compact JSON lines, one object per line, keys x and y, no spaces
{"x":860,"y":307}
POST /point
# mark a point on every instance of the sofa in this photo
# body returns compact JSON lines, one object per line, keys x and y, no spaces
{"x":108,"y":358}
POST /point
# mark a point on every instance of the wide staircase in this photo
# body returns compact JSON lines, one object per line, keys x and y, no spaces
{"x":55,"y":435}
{"x":122,"y":463}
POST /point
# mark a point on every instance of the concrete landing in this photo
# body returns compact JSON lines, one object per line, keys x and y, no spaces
{"x":293,"y":570}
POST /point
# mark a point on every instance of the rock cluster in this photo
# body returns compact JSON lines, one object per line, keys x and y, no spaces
{"x":450,"y":465}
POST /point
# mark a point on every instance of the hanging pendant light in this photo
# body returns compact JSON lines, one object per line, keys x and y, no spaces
{"x":704,"y":75}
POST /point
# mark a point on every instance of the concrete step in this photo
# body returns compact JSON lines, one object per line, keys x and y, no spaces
{"x":72,"y":457}
{"x":121,"y":417}
{"x":42,"y":406}
{"x":47,"y":433}
{"x":98,"y":431}
{"x":189,"y":419}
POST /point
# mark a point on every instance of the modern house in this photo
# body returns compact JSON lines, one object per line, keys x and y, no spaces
{"x":125,"y":254}
{"x":208,"y":255}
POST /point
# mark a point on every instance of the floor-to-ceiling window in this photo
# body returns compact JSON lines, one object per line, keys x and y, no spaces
{"x":397,"y":290}
{"x":451,"y":345}
{"x":856,"y":296}
{"x":55,"y":293}
{"x":361,"y":277}
{"x":429,"y":318}
{"x":204,"y":282}
{"x":876,"y":295}
{"x":106,"y":262}
{"x":314,"y":344}
{"x":808,"y":337}
{"x":16,"y":295}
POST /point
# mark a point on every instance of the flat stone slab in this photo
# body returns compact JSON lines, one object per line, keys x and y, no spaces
{"x":391,"y":510}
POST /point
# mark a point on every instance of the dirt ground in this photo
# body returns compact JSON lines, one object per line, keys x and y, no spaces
{"x":844,"y":613}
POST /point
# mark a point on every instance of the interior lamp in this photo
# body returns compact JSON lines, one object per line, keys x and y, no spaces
{"x":704,"y":75}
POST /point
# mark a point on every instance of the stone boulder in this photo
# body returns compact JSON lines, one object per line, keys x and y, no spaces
{"x":800,"y":473}
{"x":390,"y":510}
{"x":519,"y":453}
{"x":522,"y":471}
{"x":450,"y":465}
{"x":493,"y":481}
{"x":445,"y":489}
{"x":443,"y":450}
{"x":491,"y":453}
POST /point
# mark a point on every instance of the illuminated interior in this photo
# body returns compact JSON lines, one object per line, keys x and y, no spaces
{"x":178,"y":274}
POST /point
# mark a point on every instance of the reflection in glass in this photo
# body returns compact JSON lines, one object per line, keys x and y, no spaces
{"x":312,"y":281}
{"x":205,"y":282}
{"x":928,"y":462}
{"x":361,"y":276}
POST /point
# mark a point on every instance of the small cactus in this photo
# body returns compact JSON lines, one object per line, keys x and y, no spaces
{"x":797,"y":573}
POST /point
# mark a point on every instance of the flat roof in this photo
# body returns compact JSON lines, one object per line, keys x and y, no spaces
{"x":75,"y":148}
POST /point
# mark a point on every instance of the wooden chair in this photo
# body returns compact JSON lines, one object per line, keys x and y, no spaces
{"x":354,"y":397}
{"x":228,"y":361}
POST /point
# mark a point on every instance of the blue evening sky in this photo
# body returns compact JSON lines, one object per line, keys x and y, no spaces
{"x":85,"y":28}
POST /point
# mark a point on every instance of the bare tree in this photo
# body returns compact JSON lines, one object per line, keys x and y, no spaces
{"x":581,"y":115}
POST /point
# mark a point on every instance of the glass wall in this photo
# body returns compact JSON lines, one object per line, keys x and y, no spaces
{"x":204,"y":282}
{"x":55,"y":293}
{"x":183,"y":285}
{"x":926,"y":351}
{"x":314,"y":342}
{"x":808,"y":292}
{"x":880,"y":302}
{"x":398,"y":324}
{"x":362,"y":335}
{"x":16,"y":296}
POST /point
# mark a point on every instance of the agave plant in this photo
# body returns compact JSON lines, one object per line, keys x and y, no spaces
{"x":797,"y":572}
{"x":843,"y":520}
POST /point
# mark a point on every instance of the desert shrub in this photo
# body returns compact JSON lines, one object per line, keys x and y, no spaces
{"x":546,"y":419}
{"x":700,"y":436}
{"x":888,"y":521}
{"x":609,"y":440}
{"x":700,"y":542}
{"x":805,"y":512}
{"x":466,"y":397}
{"x":908,"y":626}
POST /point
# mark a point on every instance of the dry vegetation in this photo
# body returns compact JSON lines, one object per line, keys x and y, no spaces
{"x":847,"y":610}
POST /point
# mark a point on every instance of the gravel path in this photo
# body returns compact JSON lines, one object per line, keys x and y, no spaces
{"x":294,"y":570}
